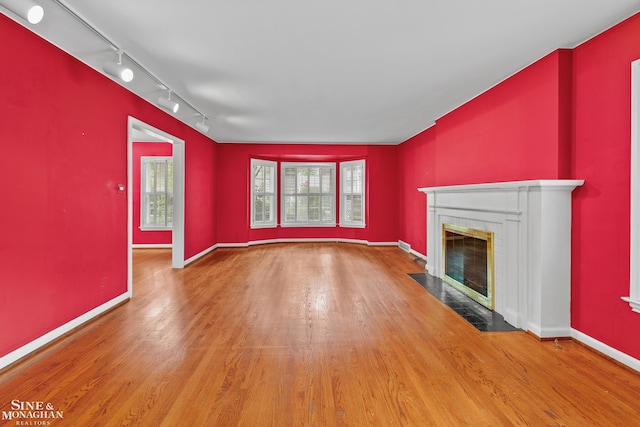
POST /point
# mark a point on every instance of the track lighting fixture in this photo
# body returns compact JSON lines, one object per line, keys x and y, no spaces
{"x":168,"y":103}
{"x":118,"y":70}
{"x":26,"y":9}
{"x":202,"y":126}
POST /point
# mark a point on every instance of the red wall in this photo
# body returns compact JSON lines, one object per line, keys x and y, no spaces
{"x":147,"y":237}
{"x":416,"y":166}
{"x":565,"y":116}
{"x":64,"y":226}
{"x":234,"y":171}
{"x":512,"y":131}
{"x":601,"y":156}
{"x":516,"y":130}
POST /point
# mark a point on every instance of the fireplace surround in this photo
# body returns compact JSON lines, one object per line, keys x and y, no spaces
{"x":530,"y":222}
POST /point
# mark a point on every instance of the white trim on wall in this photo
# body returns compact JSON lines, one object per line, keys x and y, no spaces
{"x":303,"y":240}
{"x":634,"y":289}
{"x":608,"y":351}
{"x":49,"y":337}
{"x":407,"y":248}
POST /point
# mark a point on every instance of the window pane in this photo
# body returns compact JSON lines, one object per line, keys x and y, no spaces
{"x":147,"y":211}
{"x":268,"y":179}
{"x":347,"y":184}
{"x":327,"y":180}
{"x":358,"y":209}
{"x":258,"y":208}
{"x":314,"y":180}
{"x":327,"y":208}
{"x":258,"y":179}
{"x":314,"y":208}
{"x":152,"y":209}
{"x":169,"y":216}
{"x":160,"y":209}
{"x":357,"y":179}
{"x":160,"y":176}
{"x":302,"y":181}
{"x":290,"y":181}
{"x":290,"y":208}
{"x":268,"y":206}
{"x":302,"y":213}
{"x":169,"y":176}
{"x":348,"y":208}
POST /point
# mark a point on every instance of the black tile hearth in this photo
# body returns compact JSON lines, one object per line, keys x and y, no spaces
{"x":482,"y":318}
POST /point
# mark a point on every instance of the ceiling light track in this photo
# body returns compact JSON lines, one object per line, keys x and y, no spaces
{"x":118,"y":71}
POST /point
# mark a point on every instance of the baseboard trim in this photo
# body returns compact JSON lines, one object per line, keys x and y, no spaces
{"x":201,"y":254}
{"x":303,"y":240}
{"x":152,"y":246}
{"x":46,"y":339}
{"x":605,"y":350}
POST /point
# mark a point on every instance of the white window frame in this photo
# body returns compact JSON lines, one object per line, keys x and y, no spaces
{"x":273,"y":222}
{"x":144,"y":162}
{"x":354,"y":189}
{"x":634,"y":289}
{"x":283,"y":196}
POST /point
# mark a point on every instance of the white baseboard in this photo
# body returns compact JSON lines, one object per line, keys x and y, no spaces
{"x":611,"y":352}
{"x":381,"y":243}
{"x":152,"y":246}
{"x":303,"y":240}
{"x":543,"y":333}
{"x":418,"y":255}
{"x":407,"y":248}
{"x":45,"y":339}
{"x":201,"y":254}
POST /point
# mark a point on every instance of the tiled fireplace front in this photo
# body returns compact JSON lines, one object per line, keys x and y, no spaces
{"x":530,"y":222}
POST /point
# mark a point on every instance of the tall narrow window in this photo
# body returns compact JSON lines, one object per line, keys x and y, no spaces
{"x":263,"y":193}
{"x":156,"y":195}
{"x":352,"y":206}
{"x":308,"y":194}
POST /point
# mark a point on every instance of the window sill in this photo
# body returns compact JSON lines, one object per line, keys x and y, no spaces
{"x":155,"y":228}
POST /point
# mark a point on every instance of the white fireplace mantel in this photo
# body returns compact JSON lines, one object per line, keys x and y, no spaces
{"x":531,"y":222}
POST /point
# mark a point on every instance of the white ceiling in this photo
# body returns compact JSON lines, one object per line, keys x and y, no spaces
{"x":330,"y":71}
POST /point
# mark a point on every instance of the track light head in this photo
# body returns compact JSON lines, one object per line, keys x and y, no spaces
{"x":202,"y":126}
{"x":118,"y":71}
{"x":167,"y":103}
{"x":26,"y":9}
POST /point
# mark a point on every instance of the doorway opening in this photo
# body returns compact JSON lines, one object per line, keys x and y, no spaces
{"x":140,"y":131}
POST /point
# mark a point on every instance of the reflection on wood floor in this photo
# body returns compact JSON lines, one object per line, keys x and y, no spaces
{"x":309,"y":335}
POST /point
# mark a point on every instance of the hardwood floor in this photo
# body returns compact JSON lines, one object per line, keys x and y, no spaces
{"x":309,"y":335}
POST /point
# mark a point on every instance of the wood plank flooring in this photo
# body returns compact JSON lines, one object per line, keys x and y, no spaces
{"x":309,"y":335}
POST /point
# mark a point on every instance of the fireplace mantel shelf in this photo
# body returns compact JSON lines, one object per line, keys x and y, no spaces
{"x":531,"y":222}
{"x":560,"y":184}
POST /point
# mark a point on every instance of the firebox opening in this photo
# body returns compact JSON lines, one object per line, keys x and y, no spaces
{"x":468,"y":262}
